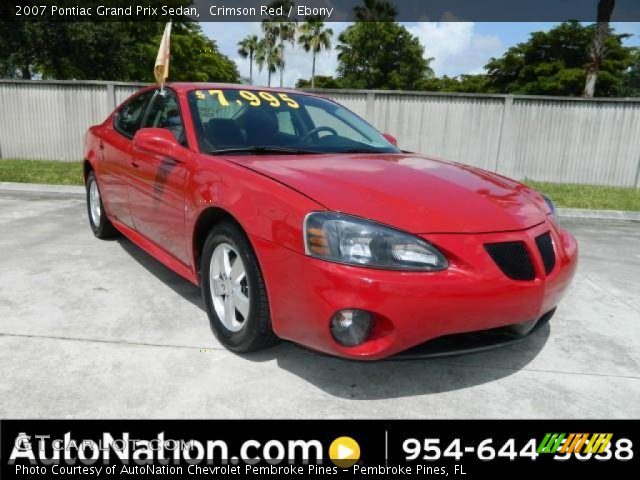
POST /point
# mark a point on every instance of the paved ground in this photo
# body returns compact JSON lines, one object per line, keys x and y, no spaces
{"x":99,"y":329}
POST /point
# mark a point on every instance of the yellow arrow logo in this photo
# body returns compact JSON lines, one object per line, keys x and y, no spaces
{"x":344,"y":452}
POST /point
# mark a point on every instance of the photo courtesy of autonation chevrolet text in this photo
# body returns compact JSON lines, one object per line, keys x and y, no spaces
{"x":313,"y":238}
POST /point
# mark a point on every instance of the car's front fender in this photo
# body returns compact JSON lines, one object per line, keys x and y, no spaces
{"x":263,"y":207}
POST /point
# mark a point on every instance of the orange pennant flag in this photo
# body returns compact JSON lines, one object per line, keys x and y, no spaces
{"x":161,"y":69}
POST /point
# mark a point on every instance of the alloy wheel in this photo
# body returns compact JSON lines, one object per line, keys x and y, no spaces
{"x":94,"y":202}
{"x":229,"y":287}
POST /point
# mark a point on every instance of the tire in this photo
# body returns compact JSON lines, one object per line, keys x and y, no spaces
{"x":100,"y":224}
{"x":224,"y":292}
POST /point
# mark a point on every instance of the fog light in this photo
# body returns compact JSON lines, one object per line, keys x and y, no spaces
{"x":351,"y":327}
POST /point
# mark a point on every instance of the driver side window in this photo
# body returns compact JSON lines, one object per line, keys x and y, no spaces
{"x":322,"y":118}
{"x":164,"y":112}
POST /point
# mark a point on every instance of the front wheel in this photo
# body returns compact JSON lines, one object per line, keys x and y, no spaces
{"x":234,"y":292}
{"x":100,"y":224}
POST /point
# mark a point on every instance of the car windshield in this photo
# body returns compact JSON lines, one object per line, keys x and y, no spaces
{"x":255,"y":121}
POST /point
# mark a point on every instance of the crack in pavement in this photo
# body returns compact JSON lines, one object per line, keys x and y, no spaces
{"x":115,"y":342}
{"x":539,"y":370}
{"x":622,"y":300}
{"x":222,"y":349}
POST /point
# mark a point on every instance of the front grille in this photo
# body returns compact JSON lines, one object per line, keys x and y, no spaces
{"x":545,"y":246}
{"x":513,"y":259}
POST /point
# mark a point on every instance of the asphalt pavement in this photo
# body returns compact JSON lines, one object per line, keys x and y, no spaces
{"x":99,"y":329}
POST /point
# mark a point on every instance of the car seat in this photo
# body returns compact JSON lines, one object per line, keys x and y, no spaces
{"x":260,"y":127}
{"x":224,"y":132}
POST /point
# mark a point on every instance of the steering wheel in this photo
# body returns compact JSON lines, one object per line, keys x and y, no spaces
{"x":317,"y":130}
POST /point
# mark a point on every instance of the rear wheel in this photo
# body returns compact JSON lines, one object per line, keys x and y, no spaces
{"x":234,"y":292}
{"x":100,"y":224}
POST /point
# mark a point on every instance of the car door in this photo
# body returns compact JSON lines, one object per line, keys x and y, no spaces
{"x":156,"y":192}
{"x":114,"y":176}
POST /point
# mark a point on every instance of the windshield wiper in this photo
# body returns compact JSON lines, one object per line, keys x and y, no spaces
{"x":360,"y":150}
{"x":264,"y":151}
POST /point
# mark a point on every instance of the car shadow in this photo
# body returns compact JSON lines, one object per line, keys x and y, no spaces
{"x":385,"y":379}
{"x":397,"y":378}
{"x":175,"y":282}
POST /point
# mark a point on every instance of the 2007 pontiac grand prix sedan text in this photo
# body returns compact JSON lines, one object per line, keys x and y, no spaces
{"x":300,"y":221}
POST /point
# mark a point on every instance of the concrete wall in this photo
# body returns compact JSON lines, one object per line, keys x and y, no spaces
{"x":567,"y":140}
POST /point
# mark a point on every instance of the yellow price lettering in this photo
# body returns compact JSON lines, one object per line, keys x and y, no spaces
{"x":273,"y":101}
{"x":253,"y":99}
{"x":288,"y":100}
{"x":221,"y":98}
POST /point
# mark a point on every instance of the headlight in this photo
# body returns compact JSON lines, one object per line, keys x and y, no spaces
{"x":552,"y":207}
{"x":346,"y":239}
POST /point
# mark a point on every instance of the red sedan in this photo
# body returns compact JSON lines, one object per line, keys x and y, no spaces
{"x":300,"y":221}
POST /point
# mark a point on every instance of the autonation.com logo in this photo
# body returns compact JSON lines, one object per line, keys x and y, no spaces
{"x":42,"y":454}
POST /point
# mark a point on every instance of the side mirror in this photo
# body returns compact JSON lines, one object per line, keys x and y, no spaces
{"x":391,"y":139}
{"x":159,"y":141}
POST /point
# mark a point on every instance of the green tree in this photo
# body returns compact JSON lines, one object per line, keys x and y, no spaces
{"x":381,"y":55}
{"x":268,"y":55}
{"x":462,"y":83}
{"x":195,"y":57}
{"x":554,"y":62}
{"x":631,"y":80}
{"x":279,"y":30}
{"x":87,"y":50}
{"x":247,"y":48}
{"x":314,"y":38}
{"x":375,"y":11}
{"x":123,"y":51}
{"x":319,"y":81}
{"x":20,"y":49}
{"x":598,"y":48}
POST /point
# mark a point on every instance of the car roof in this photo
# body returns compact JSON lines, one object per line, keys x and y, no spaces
{"x":188,"y":86}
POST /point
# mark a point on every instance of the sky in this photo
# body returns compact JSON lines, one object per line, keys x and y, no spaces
{"x":458,"y":47}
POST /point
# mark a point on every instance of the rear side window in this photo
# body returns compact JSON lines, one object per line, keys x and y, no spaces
{"x":128,"y":120}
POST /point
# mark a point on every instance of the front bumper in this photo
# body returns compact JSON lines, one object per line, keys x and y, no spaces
{"x":472,"y":342}
{"x":410,"y":308}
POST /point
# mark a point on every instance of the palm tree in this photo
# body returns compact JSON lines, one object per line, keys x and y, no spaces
{"x":247,"y":48}
{"x":268,"y":55}
{"x":429,"y":72}
{"x":598,"y":50}
{"x":375,"y":11}
{"x":282,"y":30}
{"x":314,"y":38}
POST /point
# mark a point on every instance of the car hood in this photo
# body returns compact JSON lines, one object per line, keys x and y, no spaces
{"x":408,"y":191}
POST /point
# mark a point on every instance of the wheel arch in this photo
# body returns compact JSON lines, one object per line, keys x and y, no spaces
{"x":86,"y":168}
{"x":207,"y":219}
